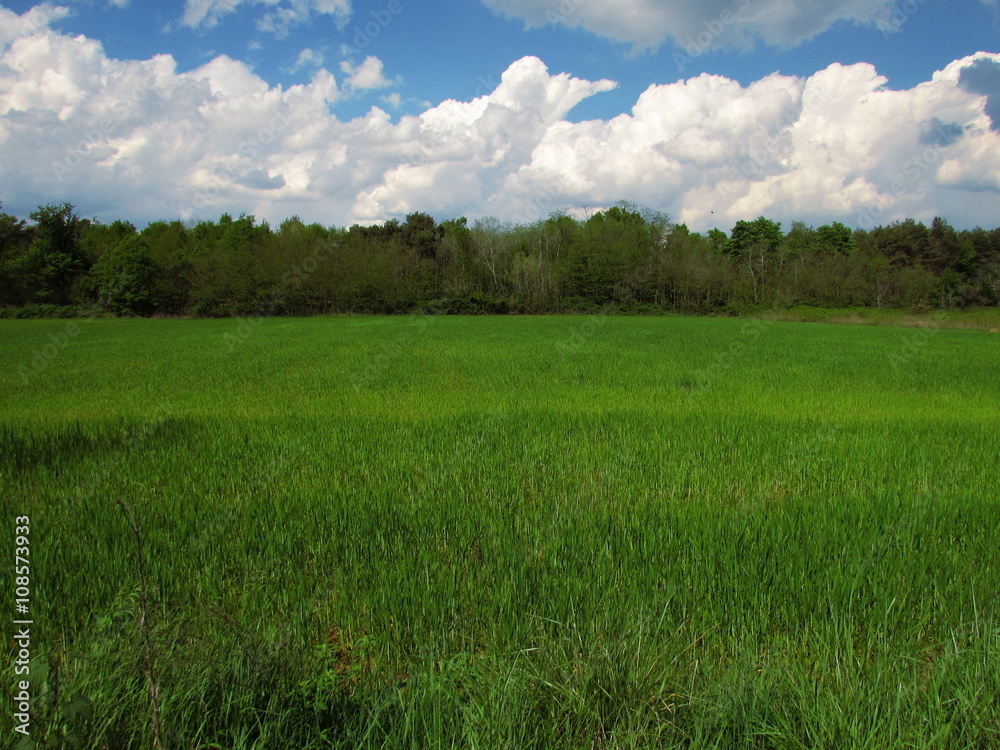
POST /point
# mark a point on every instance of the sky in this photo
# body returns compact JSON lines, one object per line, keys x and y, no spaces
{"x":357,"y":111}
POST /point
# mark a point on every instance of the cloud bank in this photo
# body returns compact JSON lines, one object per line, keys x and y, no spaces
{"x":140,"y":140}
{"x":279,"y":17}
{"x":647,"y":24}
{"x":701,"y":25}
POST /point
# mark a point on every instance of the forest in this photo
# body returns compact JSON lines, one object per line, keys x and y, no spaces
{"x":627,"y":259}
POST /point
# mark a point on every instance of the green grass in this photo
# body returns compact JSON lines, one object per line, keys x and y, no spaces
{"x":522,"y":532}
{"x":982,"y":317}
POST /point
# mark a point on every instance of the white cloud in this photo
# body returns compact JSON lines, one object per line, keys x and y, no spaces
{"x":228,"y":78}
{"x":207,"y":12}
{"x":308,"y":58}
{"x":139,"y":140}
{"x":394,"y":100}
{"x":366,"y":76}
{"x":836,"y":145}
{"x":39,"y":18}
{"x":281,"y":16}
{"x":698,"y":24}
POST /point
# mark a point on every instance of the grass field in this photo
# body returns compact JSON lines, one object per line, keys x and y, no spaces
{"x":984,"y":318}
{"x":557,"y":532}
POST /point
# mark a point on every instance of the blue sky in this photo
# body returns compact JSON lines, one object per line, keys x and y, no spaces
{"x":375,"y":142}
{"x":454,"y":49}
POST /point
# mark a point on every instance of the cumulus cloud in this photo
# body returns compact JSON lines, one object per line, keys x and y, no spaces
{"x":366,"y":76}
{"x":280,"y":16}
{"x":308,"y":58}
{"x":394,"y":100}
{"x":983,"y":77}
{"x":37,"y":19}
{"x":207,"y":12}
{"x":699,"y":24}
{"x":261,"y":180}
{"x":140,"y":140}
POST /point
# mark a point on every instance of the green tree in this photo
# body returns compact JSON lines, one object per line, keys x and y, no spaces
{"x":421,"y":233}
{"x":616,"y":255}
{"x":97,"y":238}
{"x":945,"y":249}
{"x":15,"y":239}
{"x":905,"y":243}
{"x":718,"y":240}
{"x":125,"y":277}
{"x":456,"y":254}
{"x":759,"y":236}
{"x":835,"y":239}
{"x":55,"y":259}
{"x":756,"y":244}
{"x":173,"y":257}
{"x":491,"y":239}
{"x":800,"y":240}
{"x":244,"y":280}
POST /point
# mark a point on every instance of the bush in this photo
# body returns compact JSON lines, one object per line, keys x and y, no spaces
{"x":40,"y":311}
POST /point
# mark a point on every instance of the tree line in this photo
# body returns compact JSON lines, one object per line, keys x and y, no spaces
{"x":626,"y":258}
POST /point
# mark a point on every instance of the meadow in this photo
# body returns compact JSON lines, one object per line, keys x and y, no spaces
{"x":518,"y":532}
